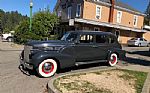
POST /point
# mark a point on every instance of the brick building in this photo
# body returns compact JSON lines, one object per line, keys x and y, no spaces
{"x":101,"y":15}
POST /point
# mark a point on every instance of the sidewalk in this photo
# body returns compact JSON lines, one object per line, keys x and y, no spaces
{"x":5,"y":46}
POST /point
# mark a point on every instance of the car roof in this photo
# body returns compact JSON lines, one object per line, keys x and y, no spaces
{"x":137,"y":38}
{"x":91,"y":32}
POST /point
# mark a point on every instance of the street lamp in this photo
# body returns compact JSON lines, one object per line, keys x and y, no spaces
{"x":31,"y":6}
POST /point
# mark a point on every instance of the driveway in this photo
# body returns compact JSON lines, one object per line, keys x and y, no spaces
{"x":138,"y":55}
{"x":12,"y":80}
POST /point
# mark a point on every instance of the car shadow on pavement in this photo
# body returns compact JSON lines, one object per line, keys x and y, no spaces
{"x":82,"y":67}
{"x":137,"y":61}
{"x":27,"y":72}
{"x":143,"y":53}
{"x":61,"y":71}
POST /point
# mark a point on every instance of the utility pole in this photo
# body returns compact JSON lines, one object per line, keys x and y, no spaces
{"x":31,"y":6}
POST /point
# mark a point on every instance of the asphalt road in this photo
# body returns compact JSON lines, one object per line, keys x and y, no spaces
{"x":12,"y":80}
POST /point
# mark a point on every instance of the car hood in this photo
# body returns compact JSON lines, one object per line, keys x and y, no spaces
{"x":48,"y":43}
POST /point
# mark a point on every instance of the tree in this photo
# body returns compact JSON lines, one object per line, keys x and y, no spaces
{"x":1,"y":17}
{"x":22,"y":33}
{"x":43,"y":23}
{"x":1,"y":26}
{"x":9,"y":20}
{"x":147,"y":18}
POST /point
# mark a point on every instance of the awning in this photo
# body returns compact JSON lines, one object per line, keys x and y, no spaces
{"x":92,"y":22}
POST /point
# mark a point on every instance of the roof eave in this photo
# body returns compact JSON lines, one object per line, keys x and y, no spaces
{"x":131,"y":11}
{"x":92,"y":22}
{"x":118,"y":7}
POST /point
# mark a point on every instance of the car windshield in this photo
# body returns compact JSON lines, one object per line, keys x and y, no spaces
{"x":134,"y":39}
{"x":69,"y":37}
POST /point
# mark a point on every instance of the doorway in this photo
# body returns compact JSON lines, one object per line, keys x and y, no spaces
{"x":117,"y":33}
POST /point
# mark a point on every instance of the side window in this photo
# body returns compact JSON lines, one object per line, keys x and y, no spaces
{"x":86,"y":38}
{"x":141,"y":39}
{"x":101,"y":39}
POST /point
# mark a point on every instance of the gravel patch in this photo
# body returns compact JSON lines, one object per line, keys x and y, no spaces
{"x":105,"y":82}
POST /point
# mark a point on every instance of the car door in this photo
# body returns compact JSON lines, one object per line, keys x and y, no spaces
{"x":103,"y":46}
{"x":86,"y":50}
{"x":145,"y":42}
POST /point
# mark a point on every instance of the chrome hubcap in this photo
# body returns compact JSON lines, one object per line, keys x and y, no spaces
{"x":113,"y":59}
{"x":47,"y":67}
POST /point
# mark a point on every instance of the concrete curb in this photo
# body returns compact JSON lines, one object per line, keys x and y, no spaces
{"x":52,"y":89}
{"x":146,"y":87}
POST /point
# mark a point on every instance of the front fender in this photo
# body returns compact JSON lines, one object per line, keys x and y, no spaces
{"x":64,"y":60}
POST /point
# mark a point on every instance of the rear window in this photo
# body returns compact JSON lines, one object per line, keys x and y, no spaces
{"x":111,"y":39}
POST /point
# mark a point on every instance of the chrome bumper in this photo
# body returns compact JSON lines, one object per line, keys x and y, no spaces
{"x":25,"y":64}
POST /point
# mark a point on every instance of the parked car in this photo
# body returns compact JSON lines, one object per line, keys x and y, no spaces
{"x":138,"y":42}
{"x":75,"y":48}
{"x":7,"y":37}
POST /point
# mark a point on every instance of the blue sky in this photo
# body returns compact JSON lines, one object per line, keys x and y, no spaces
{"x":140,"y":5}
{"x":22,"y":6}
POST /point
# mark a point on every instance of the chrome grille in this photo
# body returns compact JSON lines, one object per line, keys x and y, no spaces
{"x":27,"y":52}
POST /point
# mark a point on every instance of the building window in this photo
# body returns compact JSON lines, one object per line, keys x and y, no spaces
{"x":98,"y":12}
{"x":69,"y":12}
{"x":117,"y":33}
{"x":119,"y":16}
{"x":78,"y":11}
{"x":59,"y":13}
{"x":135,"y":20}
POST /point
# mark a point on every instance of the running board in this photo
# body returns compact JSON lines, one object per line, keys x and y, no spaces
{"x":89,"y":62}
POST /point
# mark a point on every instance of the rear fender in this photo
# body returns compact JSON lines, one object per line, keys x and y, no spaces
{"x":120,"y":53}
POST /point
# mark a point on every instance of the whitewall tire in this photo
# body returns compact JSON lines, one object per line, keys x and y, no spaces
{"x":113,"y":59}
{"x":47,"y":68}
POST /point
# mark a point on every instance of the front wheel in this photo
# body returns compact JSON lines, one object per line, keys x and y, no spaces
{"x":139,"y":45}
{"x":47,"y":68}
{"x":113,"y":59}
{"x":9,"y":39}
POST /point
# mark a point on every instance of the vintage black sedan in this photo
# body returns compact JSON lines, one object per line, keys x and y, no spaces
{"x":75,"y":48}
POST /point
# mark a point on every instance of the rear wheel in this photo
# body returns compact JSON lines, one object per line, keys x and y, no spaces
{"x":139,"y":45}
{"x":113,"y":59}
{"x":147,"y":45}
{"x":47,"y":68}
